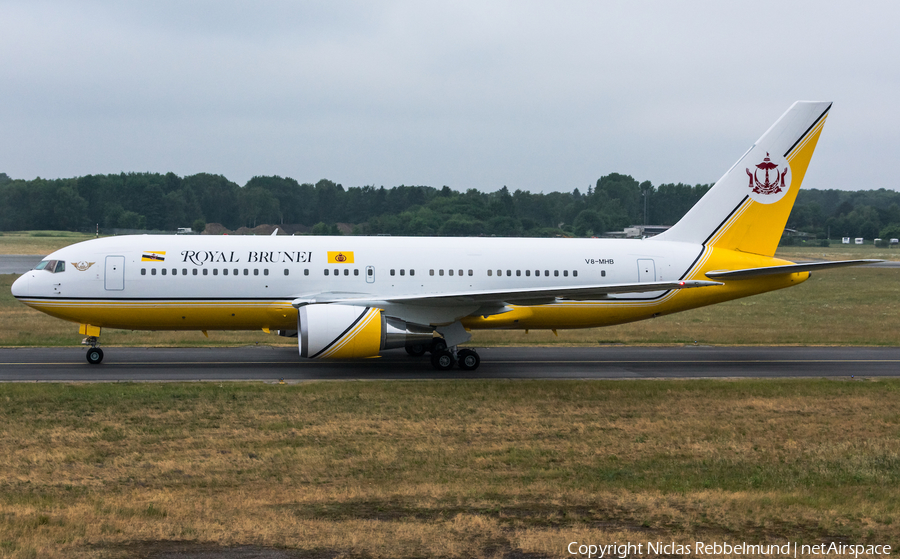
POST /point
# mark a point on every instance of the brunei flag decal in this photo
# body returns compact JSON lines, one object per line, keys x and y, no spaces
{"x":154,"y":256}
{"x":340,"y":257}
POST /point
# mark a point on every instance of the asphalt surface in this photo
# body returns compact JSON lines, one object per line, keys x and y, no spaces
{"x":264,"y":363}
{"x":18,"y":263}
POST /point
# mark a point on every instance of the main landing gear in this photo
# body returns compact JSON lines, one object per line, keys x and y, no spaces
{"x":444,"y":358}
{"x":94,"y":354}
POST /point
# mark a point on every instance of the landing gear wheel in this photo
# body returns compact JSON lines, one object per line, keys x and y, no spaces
{"x":468,"y":359}
{"x":416,"y":350}
{"x":94,"y":355}
{"x":437,"y":345}
{"x":442,"y":360}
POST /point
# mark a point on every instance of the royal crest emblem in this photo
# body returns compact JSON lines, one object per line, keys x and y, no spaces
{"x":769,"y":184}
{"x":82,"y":266}
{"x":340,"y":258}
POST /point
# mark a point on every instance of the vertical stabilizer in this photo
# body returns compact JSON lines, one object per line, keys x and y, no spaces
{"x":747,"y":209}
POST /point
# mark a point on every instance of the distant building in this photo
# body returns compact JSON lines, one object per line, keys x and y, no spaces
{"x":638,"y":231}
{"x":796,"y":234}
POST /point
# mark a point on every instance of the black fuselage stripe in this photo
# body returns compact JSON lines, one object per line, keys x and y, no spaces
{"x":344,"y":333}
{"x":724,"y":221}
{"x":694,"y":263}
{"x":813,"y":125}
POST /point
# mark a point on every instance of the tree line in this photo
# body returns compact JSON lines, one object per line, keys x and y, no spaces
{"x":165,"y":202}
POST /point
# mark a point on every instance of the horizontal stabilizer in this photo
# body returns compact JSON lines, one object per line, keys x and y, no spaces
{"x":787,"y":269}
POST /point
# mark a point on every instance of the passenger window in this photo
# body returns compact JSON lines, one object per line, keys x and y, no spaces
{"x":528,"y":273}
{"x":194,"y":271}
{"x":205,"y":272}
{"x":235,"y":271}
{"x":537,"y":273}
{"x":490,"y":273}
{"x":174,"y":271}
{"x":163,"y":271}
{"x":266,"y":272}
{"x":602,"y":273}
{"x":255,"y":271}
{"x":471,"y":273}
{"x":430,"y":272}
{"x":460,"y":272}
{"x":346,"y":271}
{"x":392,"y":271}
{"x":225,"y":271}
{"x":305,"y":272}
{"x":499,"y":273}
{"x":440,"y":272}
{"x":546,"y":273}
{"x":556,"y":273}
{"x":246,"y":272}
{"x":412,"y":272}
{"x":215,"y":271}
{"x":518,"y":272}
{"x":326,"y":271}
{"x":450,"y":272}
{"x":402,"y":272}
{"x":574,"y":273}
{"x":143,"y":271}
{"x":566,"y":273}
{"x":356,"y":272}
{"x":508,"y":273}
{"x":370,"y":272}
{"x":152,"y":271}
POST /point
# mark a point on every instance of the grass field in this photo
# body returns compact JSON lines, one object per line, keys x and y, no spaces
{"x":38,"y":242}
{"x":446,"y":468}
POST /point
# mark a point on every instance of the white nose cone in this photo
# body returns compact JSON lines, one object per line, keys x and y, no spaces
{"x":20,"y":286}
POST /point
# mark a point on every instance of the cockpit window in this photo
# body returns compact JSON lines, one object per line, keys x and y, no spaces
{"x":52,"y":266}
{"x":49,"y":265}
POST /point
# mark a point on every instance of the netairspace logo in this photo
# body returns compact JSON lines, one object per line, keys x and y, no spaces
{"x":716,"y":549}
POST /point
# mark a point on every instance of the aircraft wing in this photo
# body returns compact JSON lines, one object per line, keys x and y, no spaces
{"x":748,"y":273}
{"x":525,"y":295}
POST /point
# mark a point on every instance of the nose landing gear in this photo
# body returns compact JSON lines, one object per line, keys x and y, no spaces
{"x":94,"y":354}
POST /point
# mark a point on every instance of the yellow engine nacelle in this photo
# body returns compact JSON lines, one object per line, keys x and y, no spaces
{"x":327,"y":331}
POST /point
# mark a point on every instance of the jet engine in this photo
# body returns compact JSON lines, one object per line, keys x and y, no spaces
{"x":329,"y":331}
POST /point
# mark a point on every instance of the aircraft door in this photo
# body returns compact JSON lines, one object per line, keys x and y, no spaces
{"x":646,"y":270}
{"x":115,"y":273}
{"x":370,"y":274}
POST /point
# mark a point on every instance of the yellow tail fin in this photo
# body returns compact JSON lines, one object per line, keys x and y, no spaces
{"x":747,"y":209}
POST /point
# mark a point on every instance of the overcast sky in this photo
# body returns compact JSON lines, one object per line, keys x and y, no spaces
{"x":536,"y":96}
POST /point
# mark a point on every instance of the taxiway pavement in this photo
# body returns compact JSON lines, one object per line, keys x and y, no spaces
{"x":265,"y":363}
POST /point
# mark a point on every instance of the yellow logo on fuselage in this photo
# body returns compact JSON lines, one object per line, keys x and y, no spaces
{"x":82,"y":266}
{"x":340,"y":257}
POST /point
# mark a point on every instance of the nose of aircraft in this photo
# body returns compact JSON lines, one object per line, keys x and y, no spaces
{"x":20,"y":286}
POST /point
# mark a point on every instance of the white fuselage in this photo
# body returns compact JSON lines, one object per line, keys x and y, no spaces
{"x":125,"y":275}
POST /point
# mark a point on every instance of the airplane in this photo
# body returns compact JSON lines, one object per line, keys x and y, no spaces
{"x":354,"y":297}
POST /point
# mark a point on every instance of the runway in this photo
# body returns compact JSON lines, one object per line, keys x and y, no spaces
{"x":263,"y":363}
